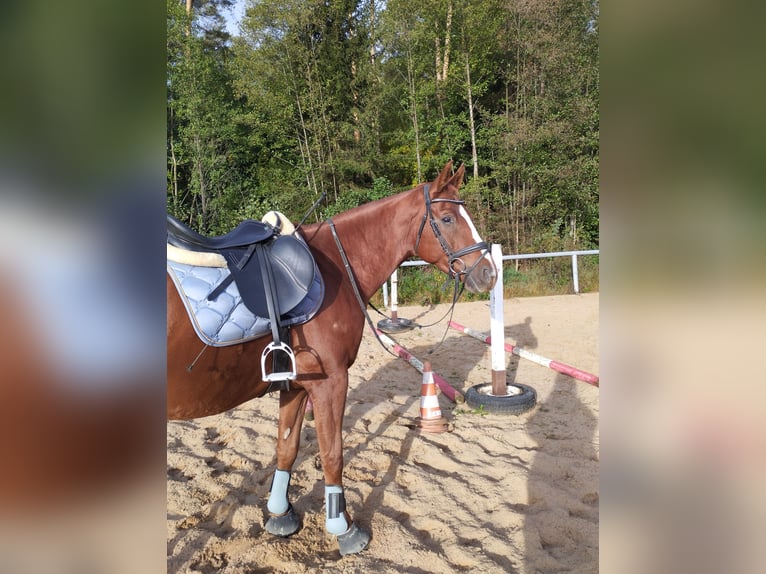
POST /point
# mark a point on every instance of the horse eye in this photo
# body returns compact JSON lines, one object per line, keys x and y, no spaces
{"x":447,"y":220}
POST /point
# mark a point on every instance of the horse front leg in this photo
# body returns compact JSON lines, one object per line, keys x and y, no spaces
{"x":329,"y":405}
{"x":283,"y":520}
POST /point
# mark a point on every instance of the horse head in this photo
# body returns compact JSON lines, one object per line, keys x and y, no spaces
{"x":453,"y":244}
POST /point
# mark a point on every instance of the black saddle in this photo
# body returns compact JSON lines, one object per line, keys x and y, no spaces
{"x":290,"y":264}
{"x":273,"y":274}
{"x":244,"y":234}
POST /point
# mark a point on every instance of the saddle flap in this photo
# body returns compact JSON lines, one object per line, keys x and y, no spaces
{"x":293,"y":271}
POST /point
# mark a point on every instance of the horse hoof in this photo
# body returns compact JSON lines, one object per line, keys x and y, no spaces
{"x":353,"y":541}
{"x":285,"y":524}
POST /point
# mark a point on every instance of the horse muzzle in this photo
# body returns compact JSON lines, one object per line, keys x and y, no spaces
{"x":482,"y":276}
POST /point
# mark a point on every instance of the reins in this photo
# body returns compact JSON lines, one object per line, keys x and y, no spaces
{"x":351,"y":277}
{"x":457,"y":292}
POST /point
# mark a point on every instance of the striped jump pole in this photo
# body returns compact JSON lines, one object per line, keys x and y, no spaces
{"x":534,"y":357}
{"x":452,"y":394}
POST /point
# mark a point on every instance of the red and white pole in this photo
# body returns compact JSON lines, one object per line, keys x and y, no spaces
{"x":450,"y":392}
{"x":529,"y":355}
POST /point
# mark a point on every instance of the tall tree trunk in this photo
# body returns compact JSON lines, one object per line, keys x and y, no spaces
{"x":375,"y":80}
{"x":198,"y":160}
{"x":317,"y":111}
{"x":522,"y":214}
{"x":516,"y":214}
{"x":573,"y":227}
{"x":472,"y":125}
{"x":414,"y":111}
{"x":507,"y":214}
{"x":447,"y":34}
{"x":303,"y":142}
{"x":173,"y":158}
{"x":189,"y":7}
{"x":442,"y":62}
{"x":330,"y":145}
{"x":355,"y":108}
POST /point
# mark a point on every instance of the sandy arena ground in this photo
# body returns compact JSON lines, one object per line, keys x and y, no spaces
{"x":498,"y":494}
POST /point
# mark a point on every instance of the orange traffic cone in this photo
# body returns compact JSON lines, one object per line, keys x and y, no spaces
{"x":431,"y":419}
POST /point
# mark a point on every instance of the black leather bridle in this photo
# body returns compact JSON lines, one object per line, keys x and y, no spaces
{"x":453,"y":257}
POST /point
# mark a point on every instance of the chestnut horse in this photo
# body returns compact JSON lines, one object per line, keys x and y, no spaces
{"x":376,"y":238}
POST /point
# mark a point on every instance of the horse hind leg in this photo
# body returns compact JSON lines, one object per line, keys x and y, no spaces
{"x":283,"y":521}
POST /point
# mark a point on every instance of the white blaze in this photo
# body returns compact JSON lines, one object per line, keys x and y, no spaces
{"x":472,"y":227}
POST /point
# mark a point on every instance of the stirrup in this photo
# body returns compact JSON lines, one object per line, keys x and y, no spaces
{"x":279,"y":376}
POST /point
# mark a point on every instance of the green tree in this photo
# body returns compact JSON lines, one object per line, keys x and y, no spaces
{"x":203,"y":179}
{"x":335,"y":95}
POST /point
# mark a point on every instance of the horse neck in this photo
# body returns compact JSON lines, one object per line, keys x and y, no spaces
{"x":377,"y":237}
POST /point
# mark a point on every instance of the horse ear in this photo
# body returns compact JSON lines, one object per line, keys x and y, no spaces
{"x":443,"y":178}
{"x":457,"y":179}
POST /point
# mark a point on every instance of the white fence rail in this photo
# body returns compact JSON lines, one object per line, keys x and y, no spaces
{"x":573,"y":254}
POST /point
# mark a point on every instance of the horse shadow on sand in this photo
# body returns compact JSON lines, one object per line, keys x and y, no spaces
{"x":560,"y":510}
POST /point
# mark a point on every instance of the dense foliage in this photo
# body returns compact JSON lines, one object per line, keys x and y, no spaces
{"x":364,"y":98}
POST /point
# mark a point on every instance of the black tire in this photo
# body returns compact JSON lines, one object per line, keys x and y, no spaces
{"x":520,"y":399}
